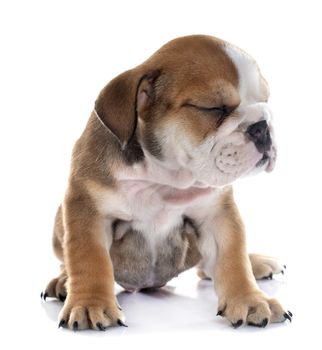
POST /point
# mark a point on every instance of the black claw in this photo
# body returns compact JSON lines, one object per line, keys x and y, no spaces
{"x":100,"y":326}
{"x":62,"y":297}
{"x":284,"y":266}
{"x":121,"y":323}
{"x":260,"y":325}
{"x":45,"y":296}
{"x":220,"y":313}
{"x":61,"y":323}
{"x":41,"y":295}
{"x":237,"y":324}
{"x":290,"y":313}
{"x":287,"y":317}
{"x":75,"y":326}
{"x":269,"y":277}
{"x":264,"y":322}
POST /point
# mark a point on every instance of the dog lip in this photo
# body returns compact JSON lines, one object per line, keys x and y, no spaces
{"x":263,"y":160}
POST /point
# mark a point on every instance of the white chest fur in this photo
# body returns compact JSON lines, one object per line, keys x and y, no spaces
{"x":157,"y":209}
{"x":153,"y":200}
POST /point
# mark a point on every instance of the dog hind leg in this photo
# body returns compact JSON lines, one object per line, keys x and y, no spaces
{"x":264,"y":267}
{"x":56,"y":288}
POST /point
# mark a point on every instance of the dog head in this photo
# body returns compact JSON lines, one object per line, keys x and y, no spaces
{"x":199,"y":104}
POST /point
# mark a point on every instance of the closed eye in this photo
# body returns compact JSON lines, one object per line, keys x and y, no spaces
{"x":221,"y":112}
{"x":222,"y":109}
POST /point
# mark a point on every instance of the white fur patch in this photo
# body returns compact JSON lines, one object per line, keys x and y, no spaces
{"x":252,"y":88}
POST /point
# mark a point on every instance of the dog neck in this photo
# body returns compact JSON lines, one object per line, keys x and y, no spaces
{"x":175,"y":187}
{"x":154,"y":171}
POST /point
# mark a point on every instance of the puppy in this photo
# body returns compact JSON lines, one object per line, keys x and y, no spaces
{"x":150,"y":195}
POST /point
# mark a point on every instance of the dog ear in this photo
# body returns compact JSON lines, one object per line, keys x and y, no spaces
{"x":122,"y":99}
{"x":116,"y":106}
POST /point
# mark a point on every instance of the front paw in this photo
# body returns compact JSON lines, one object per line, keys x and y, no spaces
{"x":90,"y":312}
{"x":254,"y":309}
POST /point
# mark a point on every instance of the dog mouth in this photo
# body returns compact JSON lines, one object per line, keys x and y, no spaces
{"x":268,"y":160}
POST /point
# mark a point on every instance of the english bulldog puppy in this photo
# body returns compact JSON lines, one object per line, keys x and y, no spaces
{"x":150,"y":187}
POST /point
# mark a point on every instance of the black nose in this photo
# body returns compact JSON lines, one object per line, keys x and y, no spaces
{"x":259,"y":134}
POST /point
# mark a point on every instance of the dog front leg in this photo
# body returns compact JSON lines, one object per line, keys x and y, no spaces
{"x":239,"y":298}
{"x":90,"y":302}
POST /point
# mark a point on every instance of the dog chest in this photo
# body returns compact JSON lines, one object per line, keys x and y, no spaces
{"x":156,"y":209}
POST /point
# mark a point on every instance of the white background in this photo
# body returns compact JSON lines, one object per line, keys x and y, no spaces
{"x":55,"y":57}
